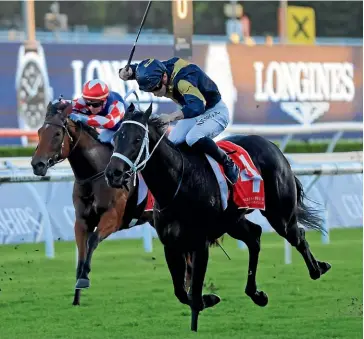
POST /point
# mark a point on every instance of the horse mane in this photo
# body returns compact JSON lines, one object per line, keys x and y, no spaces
{"x":92,"y":132}
{"x":160,"y":127}
{"x":89,"y":130}
{"x":158,"y":123}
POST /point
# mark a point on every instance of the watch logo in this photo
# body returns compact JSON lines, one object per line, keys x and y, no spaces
{"x":32,"y":88}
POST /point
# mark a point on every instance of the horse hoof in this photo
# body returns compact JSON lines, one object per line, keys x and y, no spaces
{"x":314,"y":275}
{"x":324,"y":266}
{"x":259,"y":298}
{"x":82,"y":283}
{"x":210,"y":300}
{"x":76,"y":303}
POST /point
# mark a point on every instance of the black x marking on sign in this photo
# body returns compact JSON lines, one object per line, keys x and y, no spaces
{"x":300,"y":24}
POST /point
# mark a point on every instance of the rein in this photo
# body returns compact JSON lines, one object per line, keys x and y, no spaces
{"x":139,"y":165}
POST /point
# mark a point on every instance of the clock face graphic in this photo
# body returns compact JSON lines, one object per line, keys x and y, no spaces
{"x":31,"y":95}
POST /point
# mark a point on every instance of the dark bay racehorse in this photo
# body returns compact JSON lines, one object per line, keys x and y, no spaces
{"x":188,"y":214}
{"x":100,"y":210}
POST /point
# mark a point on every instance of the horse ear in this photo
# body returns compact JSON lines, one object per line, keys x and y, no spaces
{"x":49,"y":107}
{"x":131,"y":108}
{"x":148,"y":112}
{"x":129,"y":111}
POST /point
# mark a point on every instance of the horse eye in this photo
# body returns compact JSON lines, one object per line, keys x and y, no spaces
{"x":58,"y":134}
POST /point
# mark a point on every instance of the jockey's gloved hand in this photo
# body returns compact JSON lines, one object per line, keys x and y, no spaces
{"x":77,"y":117}
{"x":165,"y":118}
{"x":125,"y":74}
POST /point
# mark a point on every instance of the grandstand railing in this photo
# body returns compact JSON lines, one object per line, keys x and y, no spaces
{"x":150,"y":38}
{"x":286,"y":131}
{"x":81,"y":37}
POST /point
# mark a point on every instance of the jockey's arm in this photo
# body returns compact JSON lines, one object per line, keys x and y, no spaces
{"x":115,"y":114}
{"x":123,"y":75}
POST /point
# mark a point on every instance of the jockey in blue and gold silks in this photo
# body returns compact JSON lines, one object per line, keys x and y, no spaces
{"x":203,"y":114}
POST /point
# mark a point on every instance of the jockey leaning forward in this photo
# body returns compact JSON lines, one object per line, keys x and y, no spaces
{"x":203,"y":114}
{"x":100,"y":108}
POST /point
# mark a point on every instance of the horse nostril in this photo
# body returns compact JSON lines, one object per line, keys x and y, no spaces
{"x":117,"y":173}
{"x":51,"y":162}
{"x":40,"y":165}
{"x":39,"y":168}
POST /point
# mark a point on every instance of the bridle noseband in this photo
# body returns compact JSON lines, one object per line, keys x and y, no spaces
{"x":58,"y":157}
{"x":139,"y":165}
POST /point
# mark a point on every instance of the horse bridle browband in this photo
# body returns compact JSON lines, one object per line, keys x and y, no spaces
{"x":57,"y":158}
{"x":139,"y":165}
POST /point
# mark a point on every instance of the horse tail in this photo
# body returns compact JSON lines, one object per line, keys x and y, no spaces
{"x":307,"y":216}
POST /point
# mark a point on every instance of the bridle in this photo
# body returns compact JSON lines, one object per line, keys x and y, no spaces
{"x":58,"y":157}
{"x":138,"y":164}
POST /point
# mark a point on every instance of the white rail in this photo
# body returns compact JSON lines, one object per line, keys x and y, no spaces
{"x":326,"y":127}
{"x":26,"y":176}
{"x":288,"y":131}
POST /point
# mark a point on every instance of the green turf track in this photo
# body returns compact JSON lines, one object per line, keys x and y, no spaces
{"x":131,"y":295}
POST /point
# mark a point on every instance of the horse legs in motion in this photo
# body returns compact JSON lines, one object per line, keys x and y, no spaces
{"x":284,"y":219}
{"x":250,"y":233}
{"x":176,"y":262}
{"x":95,"y":225}
{"x":81,"y":236}
{"x":88,"y":241}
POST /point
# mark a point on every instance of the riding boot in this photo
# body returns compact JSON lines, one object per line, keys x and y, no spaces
{"x":208,"y":146}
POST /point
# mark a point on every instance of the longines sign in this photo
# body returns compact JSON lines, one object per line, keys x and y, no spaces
{"x":260,"y":84}
{"x":304,"y":89}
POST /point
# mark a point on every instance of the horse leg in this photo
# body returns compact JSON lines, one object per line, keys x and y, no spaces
{"x":250,"y":233}
{"x":188,"y":271}
{"x":198,"y":301}
{"x":81,"y":241}
{"x":176,"y":261}
{"x":107,"y":225}
{"x":296,"y":237}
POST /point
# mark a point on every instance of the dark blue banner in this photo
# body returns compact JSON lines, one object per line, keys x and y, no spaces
{"x":260,"y":85}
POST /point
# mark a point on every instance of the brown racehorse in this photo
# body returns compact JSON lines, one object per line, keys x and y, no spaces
{"x":100,"y":210}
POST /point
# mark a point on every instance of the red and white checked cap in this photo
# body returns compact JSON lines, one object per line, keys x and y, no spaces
{"x":95,"y":90}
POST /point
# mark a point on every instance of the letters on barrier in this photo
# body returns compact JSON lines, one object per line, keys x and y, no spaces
{"x":22,"y":219}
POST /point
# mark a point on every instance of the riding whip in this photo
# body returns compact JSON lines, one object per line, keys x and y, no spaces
{"x":136,"y":40}
{"x":218,"y":243}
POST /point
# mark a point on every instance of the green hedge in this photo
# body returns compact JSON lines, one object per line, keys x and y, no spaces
{"x":292,"y":147}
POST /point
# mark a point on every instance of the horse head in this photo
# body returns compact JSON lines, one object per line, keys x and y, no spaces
{"x":54,"y":137}
{"x":131,"y":150}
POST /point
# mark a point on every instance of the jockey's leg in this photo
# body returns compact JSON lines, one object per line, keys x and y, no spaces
{"x":209,"y":125}
{"x":179,"y":132}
